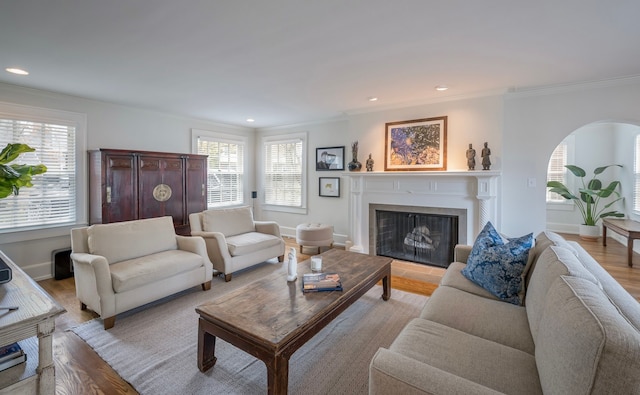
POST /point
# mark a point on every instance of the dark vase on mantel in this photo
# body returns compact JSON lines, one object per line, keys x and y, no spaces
{"x":354,"y":165}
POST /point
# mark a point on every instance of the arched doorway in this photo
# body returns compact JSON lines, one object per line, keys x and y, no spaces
{"x":594,"y":145}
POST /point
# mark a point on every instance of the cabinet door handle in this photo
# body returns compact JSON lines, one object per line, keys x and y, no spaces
{"x":203,"y":190}
{"x":108,"y":194}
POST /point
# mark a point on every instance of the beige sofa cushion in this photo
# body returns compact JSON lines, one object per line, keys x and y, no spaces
{"x":488,"y":363}
{"x":134,"y":273}
{"x":453,"y":278}
{"x":584,"y":345}
{"x":551,"y":264}
{"x":248,"y":243}
{"x":121,"y":241}
{"x":228,"y":221}
{"x":482,"y":317}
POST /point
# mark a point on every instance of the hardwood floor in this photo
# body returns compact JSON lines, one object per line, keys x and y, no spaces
{"x":79,"y":370}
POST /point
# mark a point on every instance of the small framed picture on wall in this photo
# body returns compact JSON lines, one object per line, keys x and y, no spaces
{"x":329,"y":186}
{"x":330,"y":158}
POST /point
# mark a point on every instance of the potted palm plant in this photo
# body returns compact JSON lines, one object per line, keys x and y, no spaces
{"x":589,"y":199}
{"x":14,"y":176}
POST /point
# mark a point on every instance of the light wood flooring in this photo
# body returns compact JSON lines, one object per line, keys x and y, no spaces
{"x":79,"y":370}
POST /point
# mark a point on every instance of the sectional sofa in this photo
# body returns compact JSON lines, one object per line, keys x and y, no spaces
{"x":577,"y":332}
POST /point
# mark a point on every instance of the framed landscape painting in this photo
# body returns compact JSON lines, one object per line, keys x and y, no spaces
{"x":330,"y":158}
{"x":329,"y":186}
{"x":420,"y":144}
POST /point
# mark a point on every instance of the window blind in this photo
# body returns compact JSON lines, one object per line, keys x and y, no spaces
{"x":225,"y":171}
{"x":557,"y":170}
{"x":52,"y":199}
{"x":283,"y":173}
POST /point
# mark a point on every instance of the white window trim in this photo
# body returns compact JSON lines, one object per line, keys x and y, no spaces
{"x":227,"y":138}
{"x":78,"y":120}
{"x":566,"y":205}
{"x":302,"y":136}
{"x":636,"y":159}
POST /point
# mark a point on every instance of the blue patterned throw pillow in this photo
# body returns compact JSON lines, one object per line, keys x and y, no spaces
{"x":496,"y":264}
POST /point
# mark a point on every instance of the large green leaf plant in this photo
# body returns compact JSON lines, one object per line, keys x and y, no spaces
{"x":14,"y":176}
{"x":591,"y":195}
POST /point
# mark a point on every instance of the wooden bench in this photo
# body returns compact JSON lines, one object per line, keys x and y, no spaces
{"x":625,"y":227}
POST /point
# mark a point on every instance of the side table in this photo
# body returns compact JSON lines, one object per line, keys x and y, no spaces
{"x":32,"y":325}
{"x":625,"y":227}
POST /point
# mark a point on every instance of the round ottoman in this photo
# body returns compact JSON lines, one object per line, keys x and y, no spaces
{"x":314,"y":235}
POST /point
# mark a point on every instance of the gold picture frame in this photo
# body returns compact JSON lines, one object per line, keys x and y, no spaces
{"x":416,"y":145}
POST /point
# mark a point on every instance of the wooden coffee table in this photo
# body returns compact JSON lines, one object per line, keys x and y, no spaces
{"x":271,"y":318}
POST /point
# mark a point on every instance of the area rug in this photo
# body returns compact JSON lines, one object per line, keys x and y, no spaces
{"x":154,"y":347}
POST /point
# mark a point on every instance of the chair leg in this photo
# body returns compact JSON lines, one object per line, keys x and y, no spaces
{"x":206,"y":286}
{"x":301,"y":249}
{"x":83,"y":306}
{"x":109,"y":322}
{"x":227,"y":277}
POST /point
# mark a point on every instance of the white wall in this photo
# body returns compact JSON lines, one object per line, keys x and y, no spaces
{"x":535,"y":122}
{"x":522,"y":130}
{"x":108,"y":126}
{"x":329,"y":210}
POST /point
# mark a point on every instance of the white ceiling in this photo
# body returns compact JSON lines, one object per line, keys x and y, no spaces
{"x":291,"y":61}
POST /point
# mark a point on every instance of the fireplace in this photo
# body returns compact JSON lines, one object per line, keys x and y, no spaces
{"x":425,"y":235}
{"x":470,"y":195}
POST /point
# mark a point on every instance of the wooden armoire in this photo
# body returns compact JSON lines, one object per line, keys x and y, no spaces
{"x":126,"y":185}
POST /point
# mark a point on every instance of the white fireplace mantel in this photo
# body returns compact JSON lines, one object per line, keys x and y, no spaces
{"x":475,"y":191}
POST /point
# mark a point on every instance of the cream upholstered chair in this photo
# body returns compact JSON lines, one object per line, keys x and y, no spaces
{"x":124,"y":265}
{"x":234,"y":240}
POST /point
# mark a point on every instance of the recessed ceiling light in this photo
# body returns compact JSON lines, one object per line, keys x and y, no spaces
{"x":250,"y":120}
{"x":441,"y":87}
{"x":15,"y":70}
{"x":372,"y":98}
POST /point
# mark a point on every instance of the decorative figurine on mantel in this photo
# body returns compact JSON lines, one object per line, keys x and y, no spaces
{"x":486,"y":160}
{"x":292,"y":265}
{"x":354,"y":165}
{"x":471,"y":158}
{"x":369,"y":163}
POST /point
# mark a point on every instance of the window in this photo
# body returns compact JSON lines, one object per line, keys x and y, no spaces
{"x":636,"y":175}
{"x":225,"y":171}
{"x":284,"y":183}
{"x":561,"y":156}
{"x":54,"y":199}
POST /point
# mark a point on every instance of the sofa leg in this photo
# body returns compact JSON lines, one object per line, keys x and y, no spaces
{"x":281,"y":258}
{"x":206,"y":286}
{"x":301,"y":249}
{"x":109,"y":322}
{"x":83,"y":306}
{"x":227,"y":277}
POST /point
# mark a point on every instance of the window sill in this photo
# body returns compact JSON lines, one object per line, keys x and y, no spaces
{"x":13,"y":236}
{"x":284,"y":209}
{"x":561,"y":206}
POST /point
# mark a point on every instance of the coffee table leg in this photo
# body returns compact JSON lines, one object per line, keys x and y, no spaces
{"x":386,"y":287}
{"x":206,"y":347}
{"x":278,"y":375}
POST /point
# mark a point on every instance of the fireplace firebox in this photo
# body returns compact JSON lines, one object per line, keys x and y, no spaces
{"x":420,"y":237}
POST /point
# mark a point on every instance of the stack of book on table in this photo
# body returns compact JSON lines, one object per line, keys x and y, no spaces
{"x":316,"y":282}
{"x":11,"y":355}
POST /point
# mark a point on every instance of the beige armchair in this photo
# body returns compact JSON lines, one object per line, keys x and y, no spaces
{"x":234,"y":240}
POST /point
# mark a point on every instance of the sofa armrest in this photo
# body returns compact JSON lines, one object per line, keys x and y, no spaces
{"x":268,"y":227}
{"x":390,"y":372}
{"x":98,"y":266}
{"x":217,"y":248}
{"x":197,"y":245}
{"x":461,"y":253}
